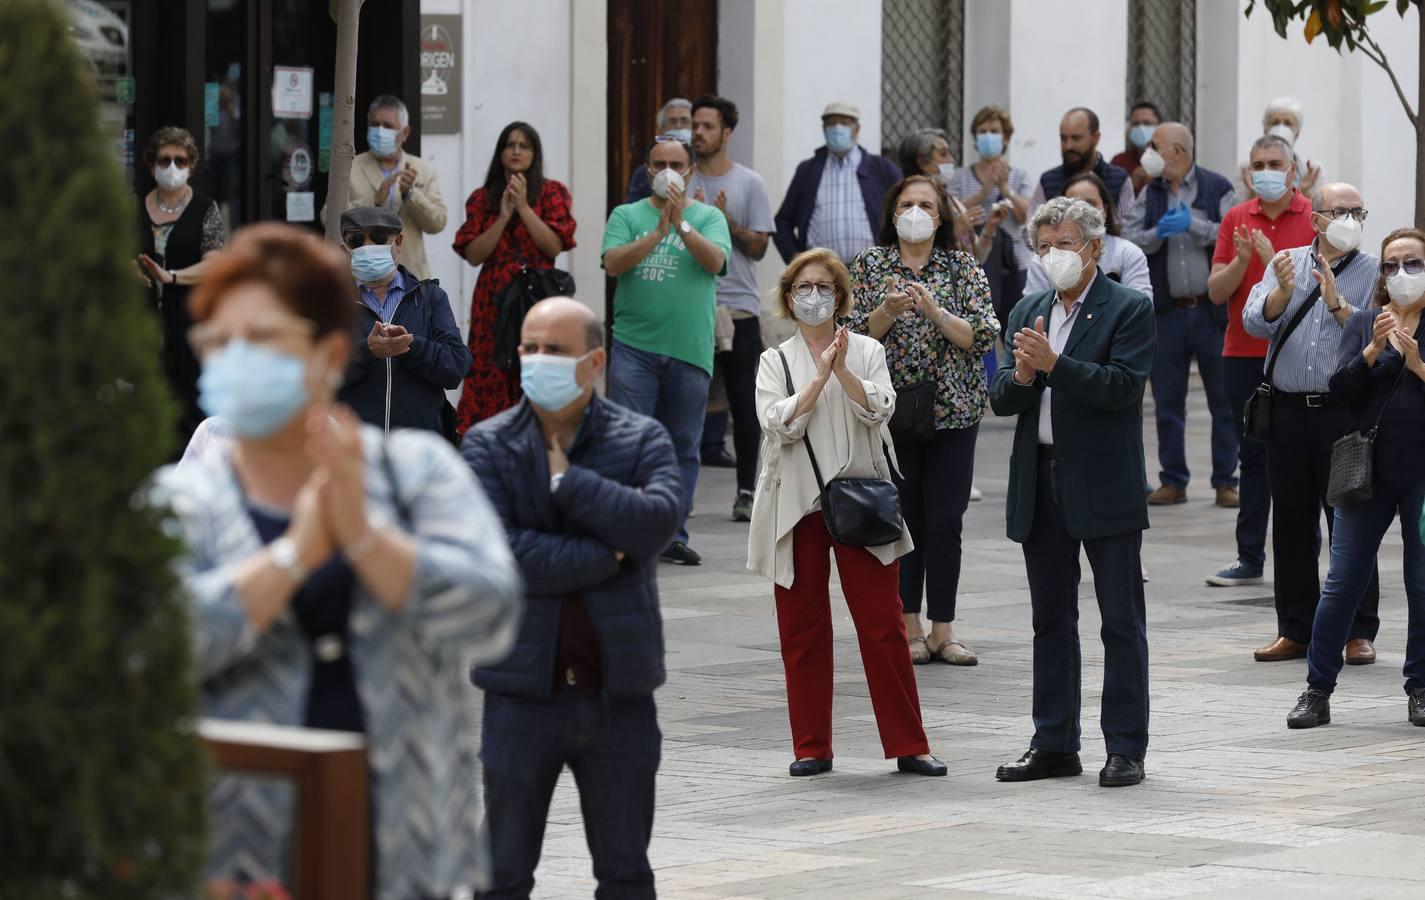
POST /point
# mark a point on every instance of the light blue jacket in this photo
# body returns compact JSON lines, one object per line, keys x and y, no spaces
{"x":411,"y":667}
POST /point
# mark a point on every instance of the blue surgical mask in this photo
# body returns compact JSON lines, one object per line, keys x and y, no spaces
{"x":256,"y":389}
{"x":683,"y":134}
{"x":989,"y":144}
{"x":838,"y":138}
{"x":382,"y":141}
{"x":550,"y":382}
{"x":372,"y":263}
{"x":1140,"y":135}
{"x":1268,"y":184}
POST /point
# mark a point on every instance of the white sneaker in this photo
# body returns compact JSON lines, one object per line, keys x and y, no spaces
{"x":975,"y":495}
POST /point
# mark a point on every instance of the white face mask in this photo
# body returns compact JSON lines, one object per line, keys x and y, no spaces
{"x":665,"y":178}
{"x":813,"y":310}
{"x":1284,"y":132}
{"x":1064,"y":267}
{"x":947,"y":172}
{"x":170,"y":177}
{"x":1344,"y":234}
{"x":1152,"y":162}
{"x":1405,"y":289}
{"x":915,"y":225}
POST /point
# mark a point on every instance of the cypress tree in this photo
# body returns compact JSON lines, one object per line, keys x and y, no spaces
{"x":102,"y":778}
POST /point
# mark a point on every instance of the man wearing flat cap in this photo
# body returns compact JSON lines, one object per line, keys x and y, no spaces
{"x":407,"y":348}
{"x":836,"y":198}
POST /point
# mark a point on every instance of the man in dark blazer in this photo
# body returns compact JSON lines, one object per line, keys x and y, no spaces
{"x":1082,"y":354}
{"x":590,"y":494}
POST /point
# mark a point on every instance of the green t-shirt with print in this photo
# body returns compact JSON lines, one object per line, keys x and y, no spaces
{"x":666,"y":304}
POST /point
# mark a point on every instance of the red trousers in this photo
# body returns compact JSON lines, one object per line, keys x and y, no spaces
{"x":804,"y":622}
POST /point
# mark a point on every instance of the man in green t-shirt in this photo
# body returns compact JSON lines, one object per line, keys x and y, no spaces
{"x":667,"y":252}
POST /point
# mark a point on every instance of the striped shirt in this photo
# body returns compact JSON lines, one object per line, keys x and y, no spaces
{"x":1189,"y":259}
{"x":964,"y":184}
{"x":1308,"y":359}
{"x":838,"y":221}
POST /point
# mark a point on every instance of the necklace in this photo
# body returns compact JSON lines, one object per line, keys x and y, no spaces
{"x":158,"y":201}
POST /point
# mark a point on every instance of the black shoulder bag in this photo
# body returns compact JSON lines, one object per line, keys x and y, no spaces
{"x":914,"y":418}
{"x":860,"y":512}
{"x":528,"y":287}
{"x":1352,"y":478}
{"x":1257,"y":411}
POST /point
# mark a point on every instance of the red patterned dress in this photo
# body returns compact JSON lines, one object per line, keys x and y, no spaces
{"x":488,"y":389}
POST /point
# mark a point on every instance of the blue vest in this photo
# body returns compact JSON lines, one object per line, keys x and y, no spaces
{"x":1211,"y":188}
{"x":1053,"y":181}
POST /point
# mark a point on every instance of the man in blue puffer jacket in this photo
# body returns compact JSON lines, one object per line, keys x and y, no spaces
{"x":590,"y":494}
{"x":407,"y":350}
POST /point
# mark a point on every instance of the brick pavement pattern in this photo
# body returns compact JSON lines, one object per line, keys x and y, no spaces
{"x":1235,"y":805}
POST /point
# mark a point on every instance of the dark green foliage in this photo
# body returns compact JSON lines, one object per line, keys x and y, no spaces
{"x":101,"y":777}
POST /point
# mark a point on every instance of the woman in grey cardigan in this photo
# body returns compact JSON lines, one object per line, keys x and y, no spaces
{"x":338,"y":580}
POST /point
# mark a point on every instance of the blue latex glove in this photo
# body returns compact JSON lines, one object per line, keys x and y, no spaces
{"x":1174,"y":221}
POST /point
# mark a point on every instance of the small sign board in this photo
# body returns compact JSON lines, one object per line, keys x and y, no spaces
{"x":441,"y":62}
{"x":292,"y":92}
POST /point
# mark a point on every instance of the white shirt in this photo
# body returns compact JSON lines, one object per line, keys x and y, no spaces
{"x":1061,"y":324}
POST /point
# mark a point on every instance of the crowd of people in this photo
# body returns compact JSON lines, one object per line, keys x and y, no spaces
{"x":346,"y":564}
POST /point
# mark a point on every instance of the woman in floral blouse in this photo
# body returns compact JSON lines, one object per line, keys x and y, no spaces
{"x":930,"y":305}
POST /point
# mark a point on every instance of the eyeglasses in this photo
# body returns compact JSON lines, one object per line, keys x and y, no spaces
{"x":206,"y":339}
{"x":165,"y":160}
{"x":357,"y":239}
{"x":1412,"y":266}
{"x":804,"y":289}
{"x":1340,"y":212}
{"x":1069,"y":244}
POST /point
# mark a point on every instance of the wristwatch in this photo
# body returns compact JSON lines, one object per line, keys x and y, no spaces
{"x":284,"y":555}
{"x":684,"y":227}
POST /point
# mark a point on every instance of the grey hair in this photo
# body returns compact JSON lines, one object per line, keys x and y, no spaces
{"x":1271,"y":140}
{"x":1066,"y":209}
{"x":391,"y":101}
{"x":663,"y":110}
{"x":919,"y":143}
{"x":1289,"y":105}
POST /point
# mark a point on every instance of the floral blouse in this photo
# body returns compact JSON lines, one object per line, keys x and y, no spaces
{"x":958,"y":284}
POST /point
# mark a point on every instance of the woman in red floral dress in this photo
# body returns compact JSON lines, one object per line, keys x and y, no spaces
{"x":519,"y":218}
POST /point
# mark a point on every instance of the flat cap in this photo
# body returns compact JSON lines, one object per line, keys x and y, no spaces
{"x":842,"y":108}
{"x":370,"y":218}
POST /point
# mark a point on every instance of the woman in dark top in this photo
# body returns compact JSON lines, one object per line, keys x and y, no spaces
{"x":178,"y":228}
{"x":1382,"y":378}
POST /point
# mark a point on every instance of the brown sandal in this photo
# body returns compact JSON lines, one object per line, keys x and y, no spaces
{"x":961,"y":657}
{"x":919,"y":655}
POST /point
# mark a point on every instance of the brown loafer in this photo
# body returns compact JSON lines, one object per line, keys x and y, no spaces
{"x":1228,"y":498}
{"x":1280,"y":649}
{"x":1167,"y":495}
{"x":1360,"y":652}
{"x":919,"y":651}
{"x":955,"y":653}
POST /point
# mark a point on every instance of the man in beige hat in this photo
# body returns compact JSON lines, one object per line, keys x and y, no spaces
{"x":835,"y":199}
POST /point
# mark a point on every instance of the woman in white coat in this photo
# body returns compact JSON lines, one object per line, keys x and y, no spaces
{"x":841,"y":403}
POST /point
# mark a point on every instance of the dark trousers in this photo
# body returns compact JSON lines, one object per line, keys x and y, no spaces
{"x":1298,"y":466}
{"x":1051,"y":557}
{"x":1358,"y":533}
{"x":934,"y":487}
{"x":1182,"y":335}
{"x":1241,"y":375}
{"x":611,"y":745}
{"x":739,"y":373}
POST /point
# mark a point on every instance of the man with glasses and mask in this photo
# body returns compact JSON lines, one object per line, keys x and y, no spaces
{"x":675,"y":120}
{"x":407,"y":348}
{"x":1175,"y":221}
{"x":1278,"y":217}
{"x":1082,"y":353}
{"x":1322,"y":285}
{"x":667,"y":253}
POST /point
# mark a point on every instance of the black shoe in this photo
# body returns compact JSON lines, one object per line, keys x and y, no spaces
{"x":1417,"y":706}
{"x":1312,"y":708}
{"x":1120,"y":771}
{"x":719,"y":458}
{"x":804,"y":767}
{"x":680,"y":553}
{"x":742,"y":507}
{"x":1037,"y":764}
{"x":916,"y":766}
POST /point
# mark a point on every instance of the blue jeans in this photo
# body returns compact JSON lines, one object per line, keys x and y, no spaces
{"x":671,"y":391}
{"x":613,"y":748}
{"x":1183,"y":334}
{"x":1241,"y":375}
{"x":1355,"y":539}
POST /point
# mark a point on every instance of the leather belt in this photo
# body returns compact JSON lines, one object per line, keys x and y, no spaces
{"x":1309,"y":401}
{"x":1190,"y":302}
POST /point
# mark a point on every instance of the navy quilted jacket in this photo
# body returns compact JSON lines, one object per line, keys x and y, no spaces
{"x":622,"y":492}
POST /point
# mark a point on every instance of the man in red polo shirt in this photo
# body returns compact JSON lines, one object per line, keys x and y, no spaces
{"x":1277,"y":218}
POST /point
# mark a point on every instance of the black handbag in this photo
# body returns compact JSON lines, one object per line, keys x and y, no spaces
{"x":859,"y":512}
{"x":914,"y":418}
{"x":1352,"y":477}
{"x":1257,"y":411}
{"x":528,"y":287}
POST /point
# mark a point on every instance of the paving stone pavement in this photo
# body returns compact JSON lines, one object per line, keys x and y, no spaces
{"x":1235,"y":805}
